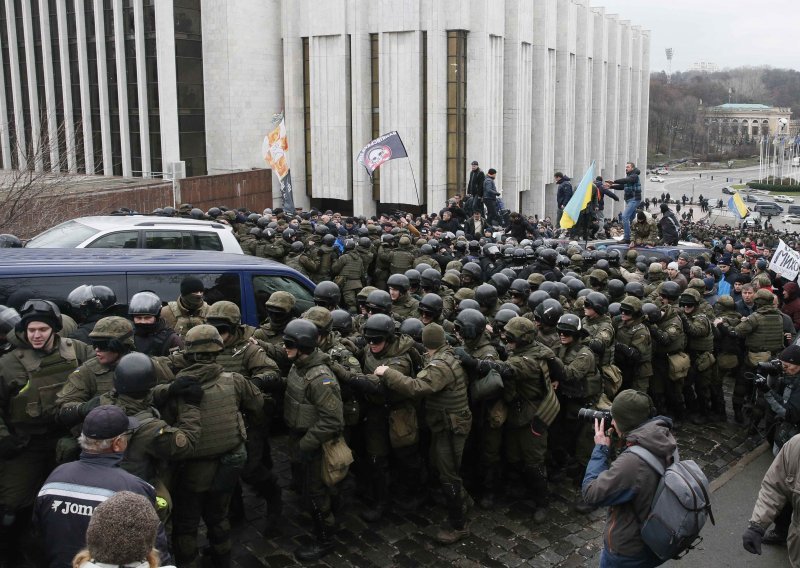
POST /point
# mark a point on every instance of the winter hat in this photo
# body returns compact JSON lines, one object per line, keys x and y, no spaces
{"x":630,"y":408}
{"x":191,"y":284}
{"x":791,"y":355}
{"x":664,"y":207}
{"x":673,"y":266}
{"x":725,"y":260}
{"x":122,"y":529}
{"x":433,"y":336}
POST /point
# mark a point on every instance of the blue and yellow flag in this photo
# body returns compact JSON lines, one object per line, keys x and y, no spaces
{"x":738,"y":206}
{"x":581,"y":197}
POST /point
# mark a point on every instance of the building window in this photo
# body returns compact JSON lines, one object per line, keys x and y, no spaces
{"x":75,"y":87}
{"x":94,"y":91}
{"x":189,"y":69}
{"x":43,"y":151}
{"x":151,"y":68}
{"x":375,"y":92}
{"x":307,"y":113}
{"x":456,"y":111}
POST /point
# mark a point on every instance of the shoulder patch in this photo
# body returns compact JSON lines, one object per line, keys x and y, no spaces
{"x":327,"y":381}
{"x":180,"y":440}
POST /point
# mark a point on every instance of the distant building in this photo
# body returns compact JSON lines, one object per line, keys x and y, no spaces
{"x":731,"y":123}
{"x":705,"y":67}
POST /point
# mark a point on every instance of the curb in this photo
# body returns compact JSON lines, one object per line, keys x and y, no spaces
{"x":738,"y":466}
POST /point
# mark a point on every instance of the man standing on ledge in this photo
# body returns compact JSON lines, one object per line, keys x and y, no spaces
{"x":563,"y":195}
{"x":475,"y":189}
{"x":633,"y":196}
{"x":490,"y":195}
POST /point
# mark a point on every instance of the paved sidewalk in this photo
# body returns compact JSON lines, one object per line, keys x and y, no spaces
{"x":506,"y":536}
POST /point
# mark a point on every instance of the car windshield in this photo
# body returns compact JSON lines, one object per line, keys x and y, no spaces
{"x":66,"y":235}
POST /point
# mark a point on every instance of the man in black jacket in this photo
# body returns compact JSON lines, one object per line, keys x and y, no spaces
{"x":563,"y":194}
{"x":475,"y":189}
{"x":668,"y":226}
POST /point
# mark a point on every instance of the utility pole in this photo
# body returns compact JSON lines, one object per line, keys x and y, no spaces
{"x":669,"y":51}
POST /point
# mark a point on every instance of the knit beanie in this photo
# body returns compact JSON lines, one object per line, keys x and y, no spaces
{"x":630,"y":408}
{"x":191,"y":284}
{"x":122,"y":529}
{"x":433,"y":336}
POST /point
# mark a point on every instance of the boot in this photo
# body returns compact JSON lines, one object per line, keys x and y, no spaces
{"x":718,"y":404}
{"x":323,"y":543}
{"x":537,"y":486}
{"x":738,"y":413}
{"x":236,"y":507}
{"x":273,"y":495}
{"x":379,"y":472}
{"x":490,"y":484}
{"x":678,"y":416}
{"x":660,"y":402}
{"x":455,"y":515}
{"x":701,"y":414}
{"x":221,"y":559}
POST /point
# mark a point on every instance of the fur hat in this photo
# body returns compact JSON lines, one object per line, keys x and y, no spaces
{"x":122,"y":529}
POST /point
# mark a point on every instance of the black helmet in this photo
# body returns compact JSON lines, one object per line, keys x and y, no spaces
{"x":613,"y":309}
{"x":551,"y":289}
{"x":9,"y":318}
{"x":430,"y":279}
{"x":486,"y":295}
{"x":422,"y":267}
{"x":342,"y":322}
{"x":197,"y":213}
{"x":298,"y":247}
{"x":255,"y":231}
{"x":651,"y":312}
{"x":431,"y":304}
{"x":134,"y":373}
{"x":378,"y":326}
{"x":473,"y":271}
{"x":635,"y":289}
{"x":521,"y":288}
{"x":509,"y":273}
{"x":509,"y":306}
{"x":302,"y":334}
{"x":613,"y":257}
{"x":87,"y":300}
{"x":569,"y":323}
{"x":501,"y":282}
{"x":288,"y":235}
{"x":596,"y":301}
{"x":426,"y":249}
{"x":548,"y":256}
{"x":328,"y":240}
{"x":364,"y":242}
{"x":379,"y":302}
{"x":263,"y":222}
{"x":670,"y":290}
{"x":575,"y":286}
{"x":322,"y":230}
{"x":413,"y":328}
{"x":616,"y":288}
{"x":602,"y":265}
{"x":168,"y":212}
{"x":413,"y":276}
{"x":251,"y":218}
{"x":536,"y":298}
{"x":502,"y":317}
{"x":327,"y":294}
{"x":399,"y":282}
{"x":40,"y":310}
{"x":214,"y":212}
{"x":10,"y":241}
{"x":563,"y":289}
{"x":548,"y":312}
{"x":144,"y":304}
{"x":470,"y":324}
{"x":468,"y":304}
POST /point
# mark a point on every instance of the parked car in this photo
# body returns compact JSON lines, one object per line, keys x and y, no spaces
{"x":792,"y":219}
{"x":138,"y":231}
{"x":657,"y":179}
{"x":751,"y":198}
{"x":783,"y":199}
{"x":662,"y":172}
{"x":728,"y":190}
{"x":247,"y":281}
{"x":768,"y":208}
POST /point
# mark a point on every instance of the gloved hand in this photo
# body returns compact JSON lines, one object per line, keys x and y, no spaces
{"x":86,"y":407}
{"x":596,"y":346}
{"x":270,"y":383}
{"x":537,"y":426}
{"x":179,"y":386}
{"x":193,"y":394}
{"x":11,"y":446}
{"x":366,"y":385}
{"x":360,"y":342}
{"x":751,"y":539}
{"x":469,"y":362}
{"x":762,"y":386}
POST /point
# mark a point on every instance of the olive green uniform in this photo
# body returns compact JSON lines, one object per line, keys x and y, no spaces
{"x":730,"y":356}
{"x":602,"y":337}
{"x":29,"y":380}
{"x":206,"y":481}
{"x":349,"y":272}
{"x":398,"y":260}
{"x":644,"y":234}
{"x":327,"y":256}
{"x":303,"y":262}
{"x":548,"y":336}
{"x":443,"y":385}
{"x":405,"y":307}
{"x":700,"y":347}
{"x":181,"y":319}
{"x":313,"y":413}
{"x":668,"y":339}
{"x":634,"y":353}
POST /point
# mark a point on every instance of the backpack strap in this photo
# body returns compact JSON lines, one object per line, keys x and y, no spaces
{"x":649,"y":458}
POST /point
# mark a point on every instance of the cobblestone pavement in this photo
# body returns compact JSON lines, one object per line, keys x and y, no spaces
{"x":505,"y":536}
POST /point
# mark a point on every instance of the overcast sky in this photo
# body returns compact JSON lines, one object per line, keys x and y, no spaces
{"x":730,"y":33}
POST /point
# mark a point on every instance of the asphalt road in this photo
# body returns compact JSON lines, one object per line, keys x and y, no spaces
{"x":732,"y":504}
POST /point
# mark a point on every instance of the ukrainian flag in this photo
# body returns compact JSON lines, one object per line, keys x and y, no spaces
{"x":737,"y":205}
{"x":581,"y":197}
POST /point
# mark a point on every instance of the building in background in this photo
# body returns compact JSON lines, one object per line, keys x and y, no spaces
{"x":705,"y":67}
{"x":734,"y":123}
{"x":174,"y":87}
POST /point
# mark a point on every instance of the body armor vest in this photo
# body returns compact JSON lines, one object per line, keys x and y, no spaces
{"x":183,"y":321}
{"x":768,"y":335}
{"x":676,"y":345}
{"x":698,"y":344}
{"x":298,"y":412}
{"x":401,"y":261}
{"x":593,"y":326}
{"x":626,"y":335}
{"x":453,"y":397}
{"x":221,"y":422}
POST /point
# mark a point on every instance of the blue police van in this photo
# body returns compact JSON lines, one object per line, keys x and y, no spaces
{"x":245,"y":280}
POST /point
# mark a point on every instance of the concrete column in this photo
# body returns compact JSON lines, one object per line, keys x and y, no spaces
{"x":565,"y":88}
{"x":122,"y":89}
{"x":83,"y":74}
{"x":584,"y":52}
{"x":167,"y":84}
{"x":5,"y":139}
{"x":624,"y":119}
{"x":66,"y":87}
{"x":141,"y":87}
{"x":16,"y":86}
{"x":361,"y":115}
{"x":435,"y":21}
{"x":644,"y":93}
{"x":102,"y":87}
{"x":293,"y":109}
{"x":49,"y":86}
{"x":598,"y":81}
{"x":33,"y":95}
{"x":612,"y":169}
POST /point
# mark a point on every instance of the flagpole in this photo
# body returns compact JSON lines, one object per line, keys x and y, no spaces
{"x":413,"y":177}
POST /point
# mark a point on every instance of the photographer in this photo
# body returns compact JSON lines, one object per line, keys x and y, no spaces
{"x":627,"y":485}
{"x":783,"y":398}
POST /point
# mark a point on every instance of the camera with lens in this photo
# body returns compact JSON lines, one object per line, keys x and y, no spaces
{"x":590,"y":415}
{"x":773,"y":367}
{"x":761,"y":382}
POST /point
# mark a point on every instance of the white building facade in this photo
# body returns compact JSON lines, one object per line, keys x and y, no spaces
{"x":159,"y":87}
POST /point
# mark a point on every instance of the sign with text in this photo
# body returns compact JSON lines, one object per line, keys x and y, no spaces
{"x":785,"y":262}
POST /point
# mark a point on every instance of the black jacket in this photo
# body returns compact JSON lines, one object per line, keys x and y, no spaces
{"x":520,"y":227}
{"x":669,"y":227}
{"x":469,"y":228}
{"x":564,"y":192}
{"x":67,"y":500}
{"x":475,"y":185}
